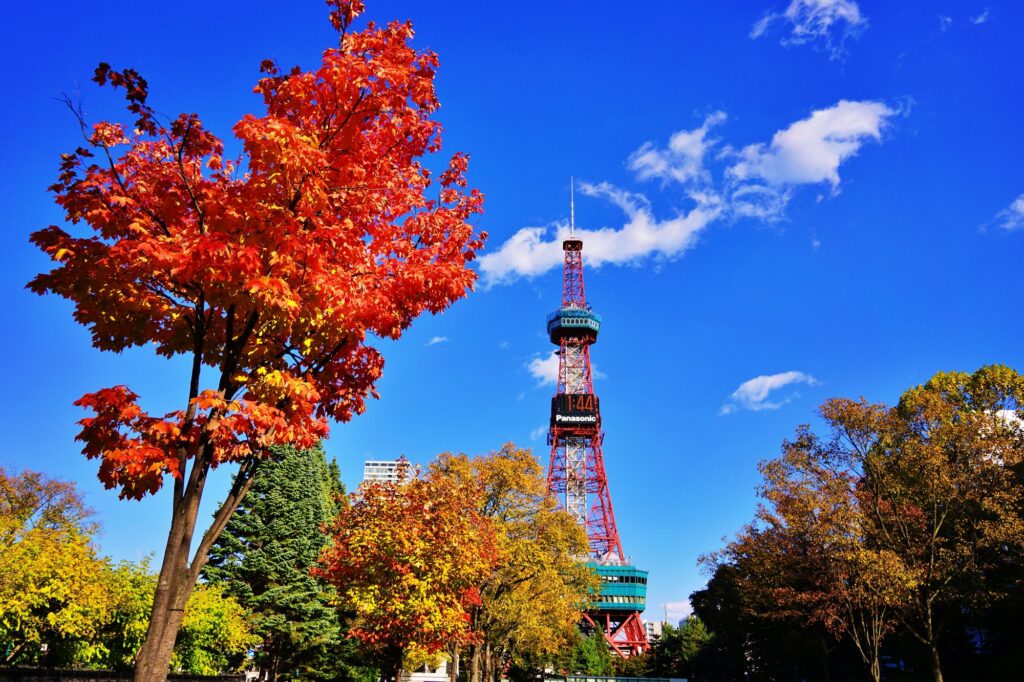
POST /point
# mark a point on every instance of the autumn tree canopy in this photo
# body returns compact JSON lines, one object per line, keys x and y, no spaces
{"x":52,"y":587}
{"x":531,"y":601}
{"x":408,"y":560}
{"x":268,"y":270}
{"x":63,"y":605}
{"x":904,"y":519}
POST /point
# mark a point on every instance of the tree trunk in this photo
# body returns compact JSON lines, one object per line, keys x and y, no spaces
{"x":391,"y":664}
{"x":173,"y":588}
{"x":453,"y":666}
{"x":488,"y":663}
{"x":936,"y":665}
{"x":474,"y":663}
{"x":823,"y":657}
{"x":177,"y":575}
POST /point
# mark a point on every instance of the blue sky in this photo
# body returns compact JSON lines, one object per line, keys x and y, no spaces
{"x":779,"y":201}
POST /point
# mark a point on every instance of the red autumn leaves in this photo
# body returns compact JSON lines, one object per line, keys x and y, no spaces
{"x":268,"y":270}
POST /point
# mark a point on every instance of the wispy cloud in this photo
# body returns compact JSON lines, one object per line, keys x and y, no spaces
{"x":1012,"y":218}
{"x":536,"y":433}
{"x":544,"y":369}
{"x":682,"y":160}
{"x":809,"y":151}
{"x":945,"y":22}
{"x":981,"y":18}
{"x":754,"y":394}
{"x":756,"y":181}
{"x":436,"y":340}
{"x":825,"y":24}
{"x":534,"y":250}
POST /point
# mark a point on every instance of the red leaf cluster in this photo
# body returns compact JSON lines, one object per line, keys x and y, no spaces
{"x":269,"y":270}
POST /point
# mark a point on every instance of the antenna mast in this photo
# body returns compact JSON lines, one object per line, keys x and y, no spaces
{"x":572,"y":207}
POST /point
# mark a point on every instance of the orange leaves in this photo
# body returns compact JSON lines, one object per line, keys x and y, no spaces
{"x":108,"y":134}
{"x":137,"y":450}
{"x":272,"y":278}
{"x":408,"y":560}
{"x":272,"y":292}
{"x":344,"y":12}
{"x":132,"y":445}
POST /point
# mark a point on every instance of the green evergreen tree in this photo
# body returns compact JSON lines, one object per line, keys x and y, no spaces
{"x":675,"y":654}
{"x":264,"y":557}
{"x":590,"y":655}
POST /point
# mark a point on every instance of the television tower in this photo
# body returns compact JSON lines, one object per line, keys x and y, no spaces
{"x":576,"y":475}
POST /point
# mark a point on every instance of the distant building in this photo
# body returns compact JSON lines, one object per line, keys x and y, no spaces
{"x":653,"y":629}
{"x":385,"y":470}
{"x":426,"y":673}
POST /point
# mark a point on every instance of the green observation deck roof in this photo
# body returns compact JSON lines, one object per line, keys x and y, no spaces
{"x":573,"y":320}
{"x":623,"y":588}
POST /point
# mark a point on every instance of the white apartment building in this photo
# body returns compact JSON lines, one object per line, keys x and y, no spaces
{"x":385,"y":471}
{"x":654,"y":630}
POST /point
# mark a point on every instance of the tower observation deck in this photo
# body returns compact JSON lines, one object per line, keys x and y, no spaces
{"x":576,"y":475}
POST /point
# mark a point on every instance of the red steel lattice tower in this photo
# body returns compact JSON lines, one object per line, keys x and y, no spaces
{"x":576,"y":474}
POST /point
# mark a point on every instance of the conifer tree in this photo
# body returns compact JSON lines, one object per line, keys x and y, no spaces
{"x":264,"y":556}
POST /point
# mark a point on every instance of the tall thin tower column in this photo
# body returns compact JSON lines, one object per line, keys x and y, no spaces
{"x":576,"y":474}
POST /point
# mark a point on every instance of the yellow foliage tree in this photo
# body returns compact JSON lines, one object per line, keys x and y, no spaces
{"x":53,"y":596}
{"x":530,"y":603}
{"x":407,"y":560}
{"x":63,"y":605}
{"x":215,"y":634}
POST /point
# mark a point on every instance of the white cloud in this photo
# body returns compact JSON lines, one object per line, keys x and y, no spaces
{"x":536,"y":433}
{"x":544,"y":369}
{"x":675,"y":611}
{"x":811,"y":150}
{"x":981,"y":18}
{"x":945,"y":22}
{"x":827,"y":24}
{"x":436,"y":340}
{"x":529,"y":252}
{"x":756,"y":182}
{"x":753,"y":394}
{"x":1012,"y":218}
{"x":682,"y":160}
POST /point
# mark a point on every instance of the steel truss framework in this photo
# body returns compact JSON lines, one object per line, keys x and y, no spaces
{"x":576,"y":474}
{"x":624,"y":631}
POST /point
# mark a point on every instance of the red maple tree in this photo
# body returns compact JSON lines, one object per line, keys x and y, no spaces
{"x":268,"y":270}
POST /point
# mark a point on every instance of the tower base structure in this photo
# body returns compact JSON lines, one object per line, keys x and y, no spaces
{"x":624,"y":632}
{"x":615,"y":612}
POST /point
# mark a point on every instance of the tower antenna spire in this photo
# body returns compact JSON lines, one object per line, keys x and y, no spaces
{"x":572,"y":207}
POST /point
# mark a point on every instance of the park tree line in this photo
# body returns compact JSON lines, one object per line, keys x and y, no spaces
{"x":888,"y":544}
{"x":64,"y":605}
{"x":468,"y":560}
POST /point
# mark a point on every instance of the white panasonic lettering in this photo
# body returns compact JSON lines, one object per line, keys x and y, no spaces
{"x":587,"y":418}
